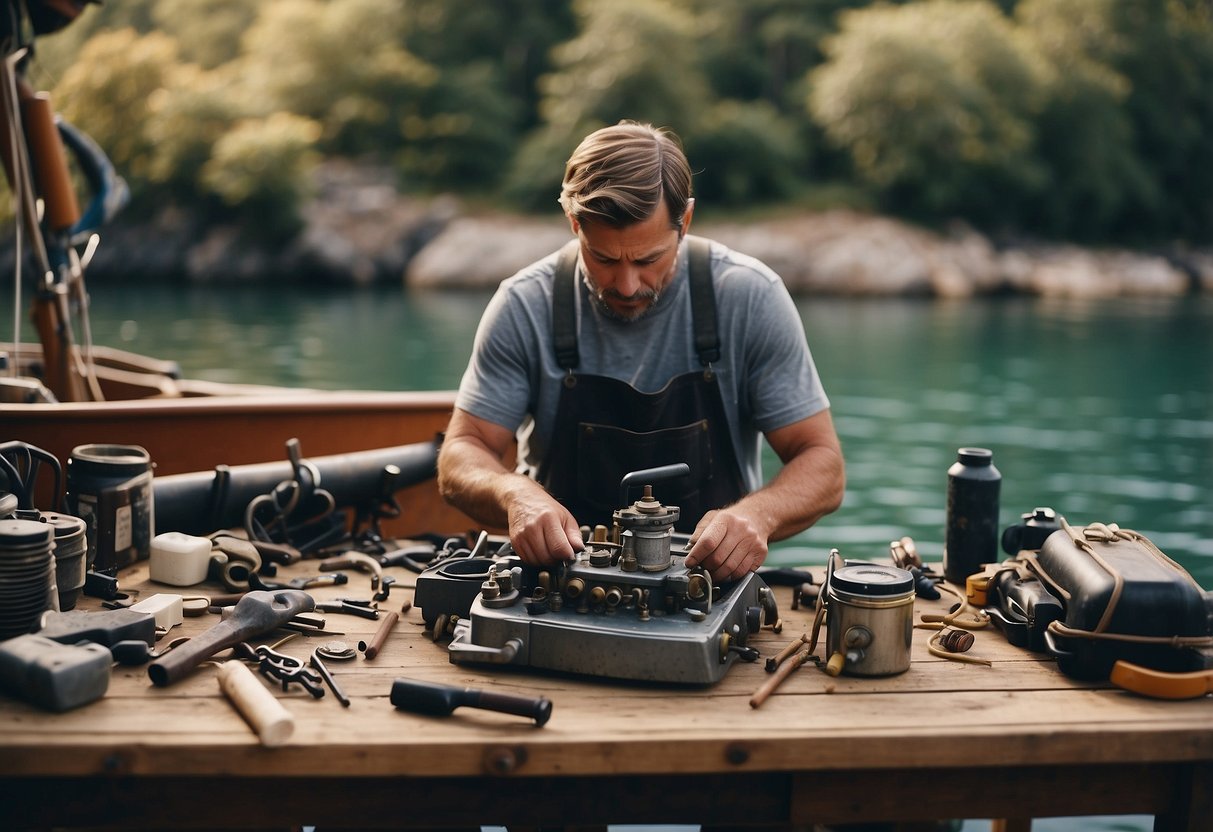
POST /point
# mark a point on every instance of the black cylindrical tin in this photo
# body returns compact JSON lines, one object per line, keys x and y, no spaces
{"x":110,"y":488}
{"x":971,"y":537}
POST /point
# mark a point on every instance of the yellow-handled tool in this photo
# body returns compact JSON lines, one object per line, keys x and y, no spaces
{"x":1160,"y":684}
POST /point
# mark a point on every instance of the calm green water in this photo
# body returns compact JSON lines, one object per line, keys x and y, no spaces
{"x":1101,"y":410}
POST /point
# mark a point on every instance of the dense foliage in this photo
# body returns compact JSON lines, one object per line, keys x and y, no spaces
{"x":1088,"y":119}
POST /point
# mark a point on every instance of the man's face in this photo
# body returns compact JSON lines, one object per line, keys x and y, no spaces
{"x":628,"y":267}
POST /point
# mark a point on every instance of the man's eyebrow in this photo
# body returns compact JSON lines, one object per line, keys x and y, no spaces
{"x":650,"y":255}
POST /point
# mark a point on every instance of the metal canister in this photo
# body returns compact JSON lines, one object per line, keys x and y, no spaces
{"x":869,"y":619}
{"x":110,"y":488}
{"x":27,"y":575}
{"x":71,"y":549}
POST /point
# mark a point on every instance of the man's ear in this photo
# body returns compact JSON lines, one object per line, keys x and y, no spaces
{"x":573,"y":224}
{"x":686,"y":216}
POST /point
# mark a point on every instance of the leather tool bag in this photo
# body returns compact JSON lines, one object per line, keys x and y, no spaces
{"x":1123,"y":599}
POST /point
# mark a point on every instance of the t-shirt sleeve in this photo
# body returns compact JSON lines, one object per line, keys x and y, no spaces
{"x":496,"y":384}
{"x":782,"y":385}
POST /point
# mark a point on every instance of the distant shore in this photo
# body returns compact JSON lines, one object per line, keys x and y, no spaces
{"x":358,"y":230}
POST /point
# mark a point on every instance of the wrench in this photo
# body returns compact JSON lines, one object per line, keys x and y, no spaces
{"x":255,"y":614}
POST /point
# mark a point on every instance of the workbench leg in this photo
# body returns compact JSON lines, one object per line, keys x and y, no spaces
{"x":1193,"y":804}
{"x":1011,"y":825}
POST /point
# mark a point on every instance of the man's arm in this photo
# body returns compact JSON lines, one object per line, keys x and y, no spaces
{"x":472,"y":476}
{"x":733,"y":541}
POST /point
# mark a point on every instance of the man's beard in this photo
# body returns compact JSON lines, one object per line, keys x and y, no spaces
{"x":600,"y":300}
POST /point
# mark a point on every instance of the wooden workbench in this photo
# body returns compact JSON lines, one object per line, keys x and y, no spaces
{"x":943,"y":740}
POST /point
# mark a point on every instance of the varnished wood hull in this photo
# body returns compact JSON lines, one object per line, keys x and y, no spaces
{"x":199,"y":433}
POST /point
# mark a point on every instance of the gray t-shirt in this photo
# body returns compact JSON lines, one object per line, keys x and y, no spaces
{"x":766,"y":374}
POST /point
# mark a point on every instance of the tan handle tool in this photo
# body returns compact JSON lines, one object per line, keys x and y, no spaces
{"x":1160,"y":684}
{"x":273,"y":723}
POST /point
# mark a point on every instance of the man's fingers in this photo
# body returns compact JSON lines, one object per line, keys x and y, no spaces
{"x":557,"y":543}
{"x":728,"y":547}
{"x":573,"y":533}
{"x":705,"y":540}
{"x":545,"y":535}
{"x":703,"y":523}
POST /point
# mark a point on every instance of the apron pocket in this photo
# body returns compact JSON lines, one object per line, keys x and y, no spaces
{"x":606,"y":453}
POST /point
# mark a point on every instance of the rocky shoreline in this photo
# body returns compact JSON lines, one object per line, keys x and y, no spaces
{"x":358,"y":230}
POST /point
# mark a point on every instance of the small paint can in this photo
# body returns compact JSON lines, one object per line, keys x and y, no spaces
{"x":110,"y":488}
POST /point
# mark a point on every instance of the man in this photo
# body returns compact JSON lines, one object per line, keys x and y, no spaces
{"x":615,"y":355}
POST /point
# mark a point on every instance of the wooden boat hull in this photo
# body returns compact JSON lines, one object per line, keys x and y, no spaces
{"x":199,"y":433}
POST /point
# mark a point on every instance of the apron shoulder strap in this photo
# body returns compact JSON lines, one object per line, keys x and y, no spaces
{"x":703,"y":301}
{"x":564,"y":308}
{"x":703,"y":304}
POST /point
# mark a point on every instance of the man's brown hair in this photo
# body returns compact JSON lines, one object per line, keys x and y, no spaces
{"x":618,"y":175}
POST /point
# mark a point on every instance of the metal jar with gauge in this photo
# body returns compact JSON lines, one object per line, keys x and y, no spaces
{"x":869,"y":619}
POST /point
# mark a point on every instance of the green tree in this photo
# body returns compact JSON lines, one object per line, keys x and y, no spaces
{"x":1085,"y":133}
{"x":1171,"y":67}
{"x":464,"y":127}
{"x":57,"y":52}
{"x":630,"y":59}
{"x":110,"y":91}
{"x":515,"y":37}
{"x":184,"y":124}
{"x":746,"y":151}
{"x":341,"y":64}
{"x":935,"y":103}
{"x":1132,"y":119}
{"x":208,"y":32}
{"x":759,"y":49}
{"x":262,"y":167}
{"x":488,"y":57}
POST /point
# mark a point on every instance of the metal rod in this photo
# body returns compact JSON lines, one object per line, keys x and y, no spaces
{"x":323,"y":670}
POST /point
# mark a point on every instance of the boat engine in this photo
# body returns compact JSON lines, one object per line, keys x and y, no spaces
{"x":625,"y":607}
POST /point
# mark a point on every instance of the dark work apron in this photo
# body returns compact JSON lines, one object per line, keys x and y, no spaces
{"x":605,"y":428}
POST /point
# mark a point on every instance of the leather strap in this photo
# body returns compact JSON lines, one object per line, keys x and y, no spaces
{"x":703,"y":301}
{"x":564,"y":308}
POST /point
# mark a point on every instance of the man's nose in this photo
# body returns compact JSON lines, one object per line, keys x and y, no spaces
{"x":627,"y":280}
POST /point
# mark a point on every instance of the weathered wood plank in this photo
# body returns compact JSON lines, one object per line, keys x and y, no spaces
{"x":821,"y":748}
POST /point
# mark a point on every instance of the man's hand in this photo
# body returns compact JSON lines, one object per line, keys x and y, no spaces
{"x":727,"y":544}
{"x":472,"y":476}
{"x":542,"y":531}
{"x":733,"y":540}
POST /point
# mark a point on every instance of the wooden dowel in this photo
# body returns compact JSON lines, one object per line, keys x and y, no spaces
{"x":273,"y":723}
{"x":785,"y":670}
{"x":773,"y":664}
{"x":385,"y":628}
